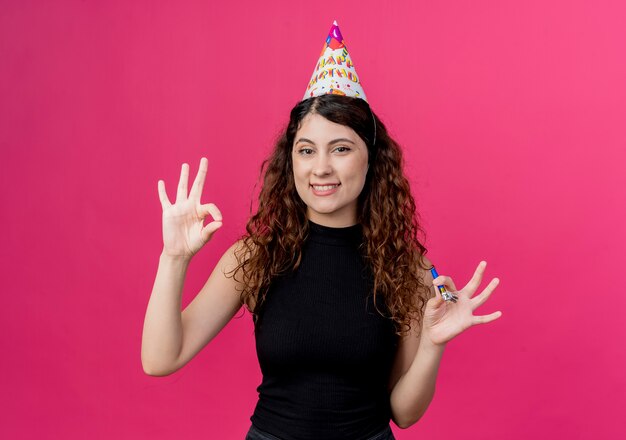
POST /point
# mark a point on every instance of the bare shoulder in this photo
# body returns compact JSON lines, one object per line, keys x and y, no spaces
{"x":409,"y":344}
{"x":232,"y":256}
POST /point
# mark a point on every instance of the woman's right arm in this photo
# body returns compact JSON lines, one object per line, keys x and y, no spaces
{"x":171,"y":338}
{"x":162,"y":328}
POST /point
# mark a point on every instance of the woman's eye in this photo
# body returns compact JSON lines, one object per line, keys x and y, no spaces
{"x":309,"y":151}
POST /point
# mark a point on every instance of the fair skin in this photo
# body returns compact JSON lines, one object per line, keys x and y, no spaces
{"x":171,"y":339}
{"x":326,"y":153}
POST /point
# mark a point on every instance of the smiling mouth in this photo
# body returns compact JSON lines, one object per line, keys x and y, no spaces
{"x":324,"y":187}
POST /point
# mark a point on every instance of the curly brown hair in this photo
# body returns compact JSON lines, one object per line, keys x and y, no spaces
{"x":386,"y":210}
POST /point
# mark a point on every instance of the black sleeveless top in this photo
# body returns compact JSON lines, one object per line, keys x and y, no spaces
{"x":324,"y":350}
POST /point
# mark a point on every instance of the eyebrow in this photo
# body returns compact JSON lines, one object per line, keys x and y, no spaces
{"x":334,"y":141}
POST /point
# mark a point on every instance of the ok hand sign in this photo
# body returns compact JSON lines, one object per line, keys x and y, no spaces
{"x":184,"y":232}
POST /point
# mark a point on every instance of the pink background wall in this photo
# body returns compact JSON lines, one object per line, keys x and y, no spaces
{"x":512,"y":117}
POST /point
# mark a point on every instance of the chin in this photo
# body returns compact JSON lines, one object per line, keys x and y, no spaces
{"x":322,"y":210}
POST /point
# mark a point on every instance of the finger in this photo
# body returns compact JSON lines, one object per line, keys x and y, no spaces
{"x":208,"y":231}
{"x":473,"y":284}
{"x":484,"y":319}
{"x":165,"y":202}
{"x":211,"y":208}
{"x":181,"y":193}
{"x":443,"y":280}
{"x":198,"y":183}
{"x":478,"y":300}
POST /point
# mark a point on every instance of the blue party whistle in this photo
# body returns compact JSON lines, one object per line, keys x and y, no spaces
{"x":447,"y":296}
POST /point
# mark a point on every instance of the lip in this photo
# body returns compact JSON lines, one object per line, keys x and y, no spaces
{"x":325,"y":193}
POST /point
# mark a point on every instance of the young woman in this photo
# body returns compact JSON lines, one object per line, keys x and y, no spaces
{"x":349,"y":327}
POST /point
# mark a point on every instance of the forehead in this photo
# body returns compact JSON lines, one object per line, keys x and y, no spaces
{"x":320,"y":130}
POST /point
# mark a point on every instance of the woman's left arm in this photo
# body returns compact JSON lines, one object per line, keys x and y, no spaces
{"x":442,"y":321}
{"x":415,"y":389}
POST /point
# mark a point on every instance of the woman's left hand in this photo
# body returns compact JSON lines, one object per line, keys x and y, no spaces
{"x":445,"y":320}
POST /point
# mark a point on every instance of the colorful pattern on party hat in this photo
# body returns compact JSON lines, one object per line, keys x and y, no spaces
{"x":334,"y":72}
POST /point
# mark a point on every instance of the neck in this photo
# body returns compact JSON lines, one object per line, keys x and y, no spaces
{"x":342,"y":220}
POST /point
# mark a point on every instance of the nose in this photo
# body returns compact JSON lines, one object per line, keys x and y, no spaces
{"x":322,"y":165}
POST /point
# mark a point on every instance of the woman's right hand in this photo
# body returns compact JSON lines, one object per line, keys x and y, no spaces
{"x":184,"y":232}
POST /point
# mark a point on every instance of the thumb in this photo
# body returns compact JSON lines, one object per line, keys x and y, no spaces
{"x":437,"y":299}
{"x":210,"y":209}
{"x":208,"y":231}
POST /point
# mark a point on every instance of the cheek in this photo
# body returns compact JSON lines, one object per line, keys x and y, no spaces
{"x":298,"y":175}
{"x":300,"y":178}
{"x":358,"y":172}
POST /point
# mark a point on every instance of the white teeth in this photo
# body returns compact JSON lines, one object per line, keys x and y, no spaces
{"x":325,"y":187}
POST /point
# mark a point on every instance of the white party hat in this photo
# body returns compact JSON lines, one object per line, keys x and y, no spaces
{"x":334,"y":72}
